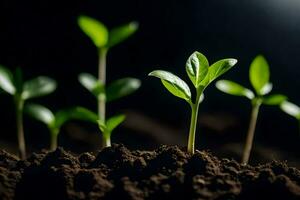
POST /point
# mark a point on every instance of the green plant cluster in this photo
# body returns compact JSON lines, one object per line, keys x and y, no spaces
{"x":200,"y":72}
{"x":104,"y":40}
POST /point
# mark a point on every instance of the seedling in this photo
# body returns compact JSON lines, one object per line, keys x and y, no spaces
{"x":105,"y":39}
{"x":21,"y":91}
{"x":291,"y":109}
{"x":259,"y":75}
{"x":54,"y":121}
{"x":201,"y":75}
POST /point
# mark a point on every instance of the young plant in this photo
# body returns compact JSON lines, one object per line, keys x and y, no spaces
{"x":259,"y":75}
{"x":105,"y":39}
{"x":201,"y":75}
{"x":21,"y":91}
{"x":54,"y":121}
{"x":292,"y":110}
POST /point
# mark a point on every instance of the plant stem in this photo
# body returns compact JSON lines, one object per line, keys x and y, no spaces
{"x":106,"y":141}
{"x":20,"y":131}
{"x":53,"y":139}
{"x":193,"y":125}
{"x":102,"y":79}
{"x":250,"y":135}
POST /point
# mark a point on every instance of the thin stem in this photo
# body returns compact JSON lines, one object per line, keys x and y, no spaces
{"x":53,"y":139}
{"x":193,"y":125}
{"x":102,"y":79}
{"x":20,"y":131}
{"x":106,"y":142}
{"x":250,"y":135}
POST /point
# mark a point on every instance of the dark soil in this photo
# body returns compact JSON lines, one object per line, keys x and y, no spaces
{"x":166,"y":173}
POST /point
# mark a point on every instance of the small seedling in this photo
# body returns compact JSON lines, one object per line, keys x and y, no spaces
{"x":291,"y":109}
{"x":106,"y":127}
{"x":104,"y":39}
{"x":54,"y":121}
{"x":201,"y":75}
{"x":21,"y":91}
{"x":259,"y":75}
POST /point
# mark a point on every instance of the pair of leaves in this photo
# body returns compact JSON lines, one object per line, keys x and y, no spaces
{"x":12,"y":84}
{"x":291,"y":109}
{"x":115,"y":90}
{"x":54,"y":121}
{"x":110,"y":124}
{"x":198,"y":70}
{"x":236,"y":89}
{"x":106,"y":127}
{"x":259,"y":78}
{"x":101,"y":36}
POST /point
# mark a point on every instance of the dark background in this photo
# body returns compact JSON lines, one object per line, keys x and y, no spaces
{"x":42,"y":37}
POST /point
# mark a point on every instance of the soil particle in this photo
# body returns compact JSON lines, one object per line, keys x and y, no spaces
{"x":119,"y":173}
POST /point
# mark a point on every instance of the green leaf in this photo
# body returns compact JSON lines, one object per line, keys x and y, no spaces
{"x":82,"y":113}
{"x":114,"y":121}
{"x":233,"y":88}
{"x":91,"y":84}
{"x":6,"y":81}
{"x":217,"y":69}
{"x":76,"y":113}
{"x":291,"y":109}
{"x":121,"y":33}
{"x":266,"y":89}
{"x":174,"y":84}
{"x":40,"y":113}
{"x":94,"y":29}
{"x":37,"y":87}
{"x":274,"y":99}
{"x":197,"y":68}
{"x":259,"y":74}
{"x":121,"y":88}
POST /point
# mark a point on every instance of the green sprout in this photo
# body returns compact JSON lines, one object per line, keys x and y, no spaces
{"x":105,"y":39}
{"x":54,"y":121}
{"x":201,"y":75}
{"x":259,"y":75}
{"x":12,"y":83}
{"x":291,"y":109}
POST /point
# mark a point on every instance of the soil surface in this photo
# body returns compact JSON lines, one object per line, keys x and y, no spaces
{"x":166,"y":173}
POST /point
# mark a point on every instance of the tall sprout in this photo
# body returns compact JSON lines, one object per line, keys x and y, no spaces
{"x":201,"y":75}
{"x":259,"y":75}
{"x":13,"y":84}
{"x":104,"y":40}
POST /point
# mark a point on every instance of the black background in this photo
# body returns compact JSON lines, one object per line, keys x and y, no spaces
{"x":42,"y":37}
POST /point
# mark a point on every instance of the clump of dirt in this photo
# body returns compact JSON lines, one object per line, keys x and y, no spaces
{"x":166,"y":173}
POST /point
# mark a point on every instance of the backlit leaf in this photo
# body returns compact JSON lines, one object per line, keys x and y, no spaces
{"x":94,"y":29}
{"x":217,"y":69}
{"x":37,"y":87}
{"x":197,"y":68}
{"x":40,"y":113}
{"x":6,"y":81}
{"x":173,"y":83}
{"x":121,"y":88}
{"x":114,"y":121}
{"x":259,"y":73}
{"x":291,"y":109}
{"x":233,"y":88}
{"x":91,"y":84}
{"x":274,"y":99}
{"x":121,"y":33}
